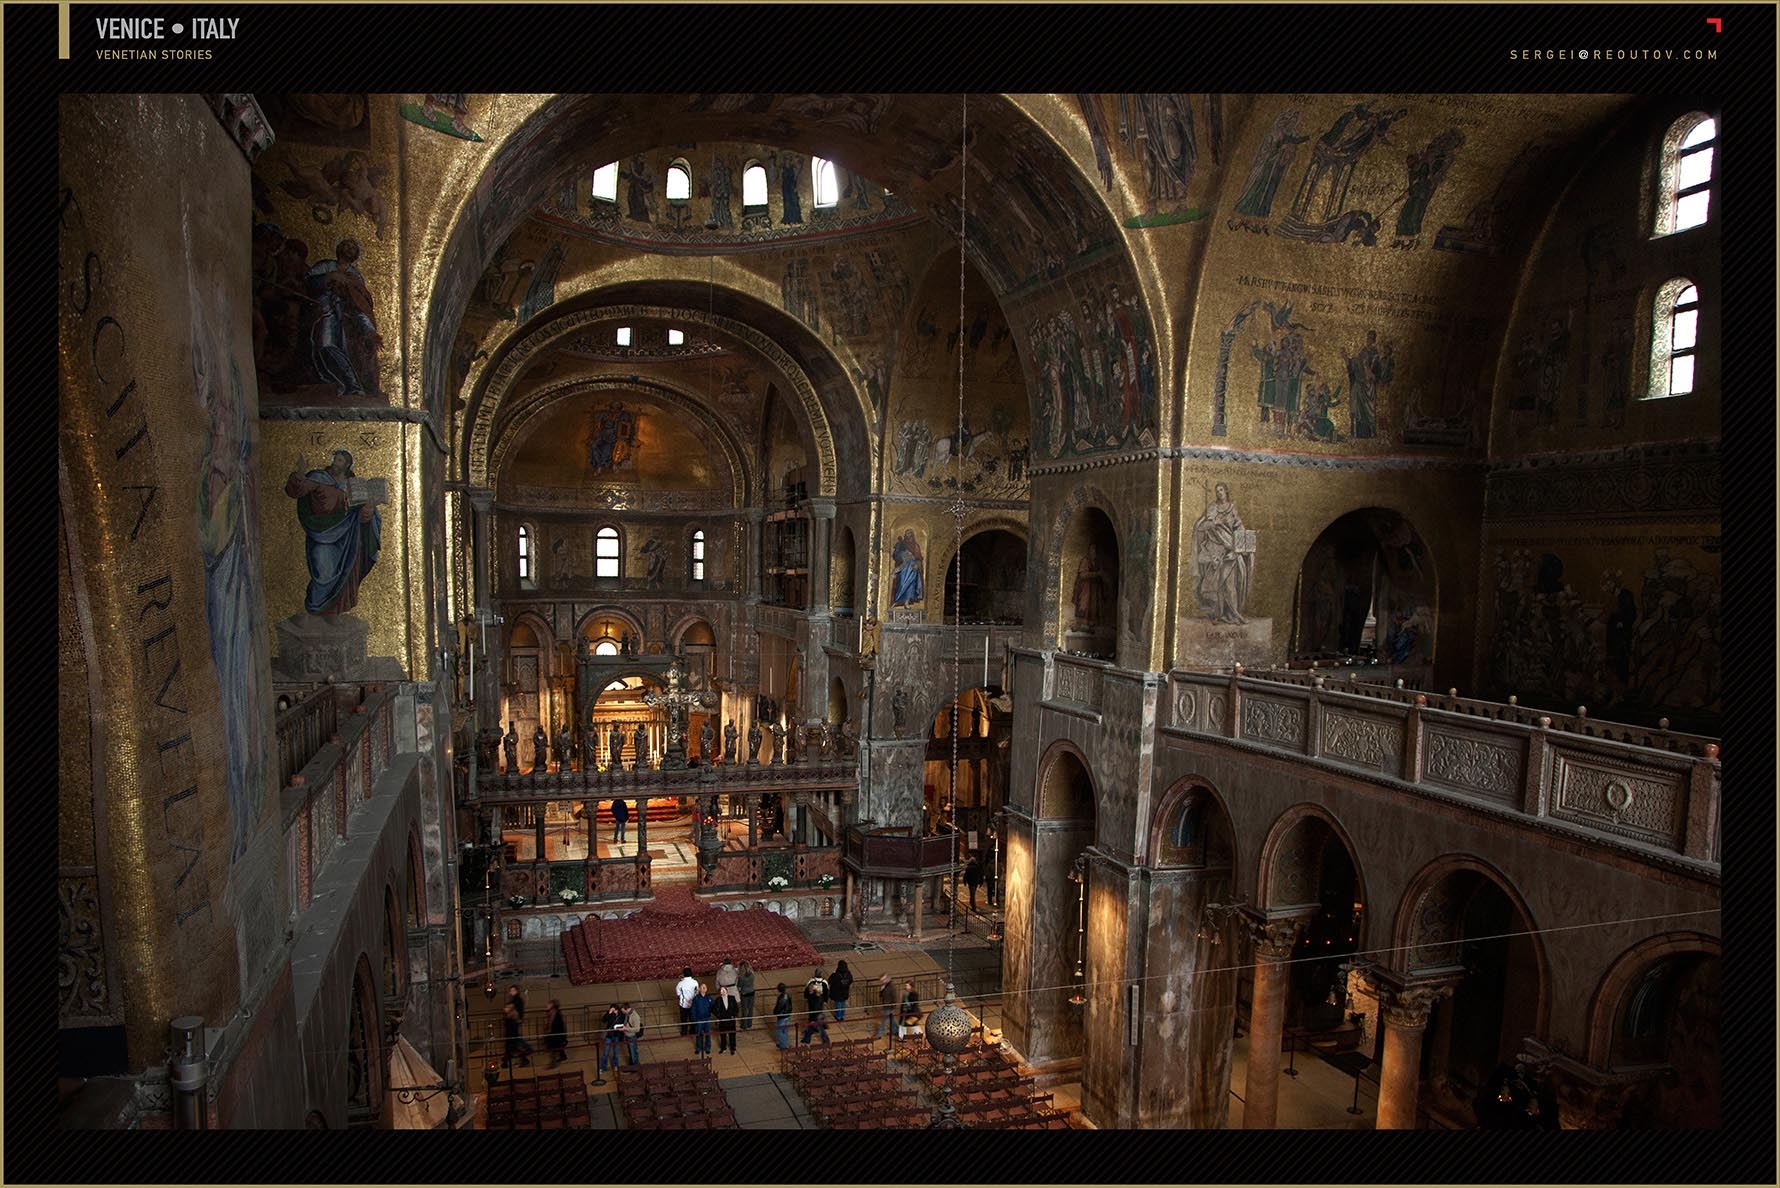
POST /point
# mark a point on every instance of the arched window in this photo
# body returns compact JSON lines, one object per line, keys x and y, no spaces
{"x":525,"y":554}
{"x":828,"y":192}
{"x":1685,"y":178}
{"x":754,"y":184}
{"x":605,"y":183}
{"x":623,"y":336}
{"x":1674,"y":339}
{"x":606,"y":647}
{"x":605,"y":553}
{"x":679,"y":182}
{"x":698,"y":556}
{"x":676,"y":337}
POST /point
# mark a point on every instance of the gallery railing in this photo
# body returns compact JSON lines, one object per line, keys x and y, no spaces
{"x":890,"y":854}
{"x":1653,"y":788}
{"x":318,"y":800}
{"x":304,"y":729}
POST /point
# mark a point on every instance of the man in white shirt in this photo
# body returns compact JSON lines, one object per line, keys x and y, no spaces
{"x":684,"y":989}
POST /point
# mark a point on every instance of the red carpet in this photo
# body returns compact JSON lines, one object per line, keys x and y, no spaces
{"x":676,"y":931}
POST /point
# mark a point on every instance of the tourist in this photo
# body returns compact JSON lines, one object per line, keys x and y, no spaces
{"x":620,"y":816}
{"x":516,"y":1000}
{"x":911,"y":1006}
{"x":556,"y":1034}
{"x":516,"y":1045}
{"x":973,"y":878}
{"x":887,"y":1001}
{"x":612,"y":1033}
{"x":744,"y":986}
{"x":782,"y":1018}
{"x":726,"y":975}
{"x":840,"y":989}
{"x":815,"y":995}
{"x":684,"y":989}
{"x":633,"y":1030}
{"x":700,"y":1013}
{"x":725,"y":1009}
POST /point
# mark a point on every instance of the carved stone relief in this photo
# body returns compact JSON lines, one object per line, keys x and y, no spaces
{"x":1267,"y":720}
{"x":80,"y":977}
{"x":1473,"y":765}
{"x":1367,"y":742}
{"x":1618,"y":802}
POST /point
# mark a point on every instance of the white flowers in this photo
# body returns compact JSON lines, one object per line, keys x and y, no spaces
{"x":568,"y":895}
{"x":778,"y":882}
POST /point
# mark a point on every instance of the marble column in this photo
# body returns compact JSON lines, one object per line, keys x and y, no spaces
{"x":821,"y":538}
{"x":1271,"y":943}
{"x":1404,"y":1013}
{"x":488,"y":687}
{"x":756,"y":517}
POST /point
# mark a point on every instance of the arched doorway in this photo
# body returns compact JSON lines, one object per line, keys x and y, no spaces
{"x":993,"y":589}
{"x":697,"y":642}
{"x":1312,"y":871}
{"x":1657,"y":1018}
{"x":1088,"y":611}
{"x":1467,"y":925}
{"x":1061,"y":911}
{"x":984,"y":735}
{"x":364,"y":1049}
{"x":1366,"y":589}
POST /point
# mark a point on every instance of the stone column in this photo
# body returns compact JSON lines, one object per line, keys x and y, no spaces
{"x":821,"y":536}
{"x":641,"y":808}
{"x":1271,"y":942}
{"x":488,"y":687}
{"x":1404,"y":1013}
{"x":751,"y":564}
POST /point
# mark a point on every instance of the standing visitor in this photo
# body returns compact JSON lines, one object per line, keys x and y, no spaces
{"x":516,"y":1045}
{"x":973,"y":878}
{"x":684,"y":989}
{"x":815,"y":995}
{"x":840,"y":990}
{"x":725,"y":1009}
{"x":556,"y":1034}
{"x":727,"y":975}
{"x":744,"y":986}
{"x":782,"y":1018}
{"x":633,"y":1030}
{"x":700,"y":1012}
{"x":620,"y":817}
{"x":886,"y":1003}
{"x":611,"y":1035}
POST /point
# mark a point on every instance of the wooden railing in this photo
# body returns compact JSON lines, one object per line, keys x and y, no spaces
{"x":318,"y":800}
{"x":1610,"y":781}
{"x":884,"y":854}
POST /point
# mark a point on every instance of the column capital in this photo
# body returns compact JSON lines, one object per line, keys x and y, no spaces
{"x":481,"y":498}
{"x":1408,"y":1007}
{"x":820,"y":508}
{"x":1272,"y":939}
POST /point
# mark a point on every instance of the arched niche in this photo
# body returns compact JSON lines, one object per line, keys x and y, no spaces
{"x":1087,"y":613}
{"x":842,"y":573}
{"x":1463,"y":919}
{"x":1309,"y":867}
{"x":993,"y":585}
{"x":1366,"y":586}
{"x":837,"y":701}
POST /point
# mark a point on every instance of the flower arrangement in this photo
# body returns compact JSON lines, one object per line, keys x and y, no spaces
{"x":778,"y":882}
{"x":517,"y":901}
{"x":825,"y":881}
{"x":568,"y":895}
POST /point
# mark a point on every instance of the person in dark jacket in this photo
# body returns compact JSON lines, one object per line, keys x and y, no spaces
{"x":611,"y":1038}
{"x":701,"y":1021}
{"x":744,"y":987}
{"x":620,"y":816}
{"x":724,"y":1008}
{"x":516,"y":1045}
{"x":840,"y":989}
{"x":887,"y":1003}
{"x":815,"y":997}
{"x":556,"y":1034}
{"x":782,"y":1018}
{"x":973,"y":878}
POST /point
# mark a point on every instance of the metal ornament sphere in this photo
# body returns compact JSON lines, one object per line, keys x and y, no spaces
{"x":948,"y":1025}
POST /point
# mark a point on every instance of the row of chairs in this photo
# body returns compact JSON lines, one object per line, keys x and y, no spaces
{"x":850,"y":1085}
{"x":673,"y":1095}
{"x":556,"y":1101}
{"x":910,"y":1118}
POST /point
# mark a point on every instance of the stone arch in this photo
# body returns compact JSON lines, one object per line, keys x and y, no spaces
{"x":584,"y":624}
{"x":744,"y":483}
{"x":994,"y":522}
{"x":677,"y":633}
{"x":1050,"y":601}
{"x":1058,"y":795}
{"x":1284,"y":865}
{"x":414,"y":882}
{"x":395,"y":957}
{"x":838,"y":709}
{"x":1623,"y":975}
{"x":1367,"y":561}
{"x":497,"y":381}
{"x":1177,"y":839}
{"x":364,"y":1043}
{"x":539,"y":627}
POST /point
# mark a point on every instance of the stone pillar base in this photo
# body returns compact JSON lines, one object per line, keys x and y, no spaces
{"x":314,"y":648}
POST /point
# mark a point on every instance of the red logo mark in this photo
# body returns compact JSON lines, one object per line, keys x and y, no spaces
{"x":1717,"y":24}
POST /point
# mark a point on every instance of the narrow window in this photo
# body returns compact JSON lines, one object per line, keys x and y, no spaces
{"x":676,"y":337}
{"x":754,"y":184}
{"x":698,"y":556}
{"x":1674,"y":339}
{"x":1689,"y":150}
{"x":828,"y":193}
{"x":605,"y":182}
{"x":605,"y":553}
{"x":624,"y":336}
{"x":525,"y":553}
{"x":679,"y":182}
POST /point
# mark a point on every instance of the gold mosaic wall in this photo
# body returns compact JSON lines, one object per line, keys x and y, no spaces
{"x":153,"y":300}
